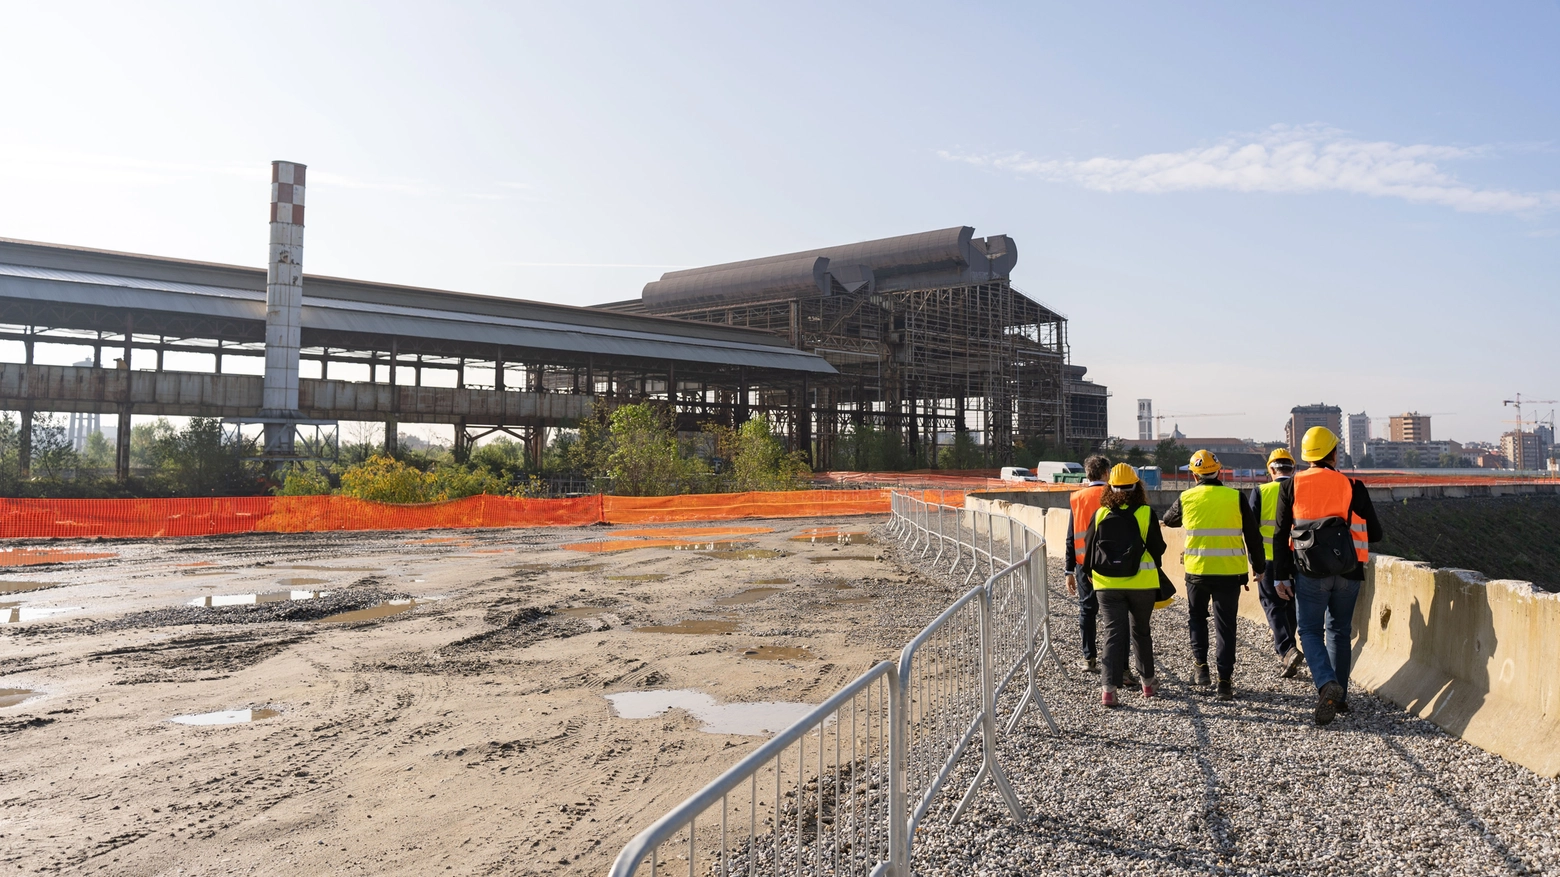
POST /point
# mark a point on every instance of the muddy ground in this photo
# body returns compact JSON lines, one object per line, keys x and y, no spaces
{"x":461,"y":727}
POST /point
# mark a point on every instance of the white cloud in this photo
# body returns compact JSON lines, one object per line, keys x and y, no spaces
{"x":1284,"y":159}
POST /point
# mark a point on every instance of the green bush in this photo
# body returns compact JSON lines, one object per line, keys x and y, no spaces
{"x":755,"y":458}
{"x":646,"y":459}
{"x":304,"y":480}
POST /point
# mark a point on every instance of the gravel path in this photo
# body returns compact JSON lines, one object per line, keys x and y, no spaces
{"x":1187,"y":784}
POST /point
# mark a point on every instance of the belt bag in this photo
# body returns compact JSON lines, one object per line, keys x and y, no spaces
{"x":1324,"y":547}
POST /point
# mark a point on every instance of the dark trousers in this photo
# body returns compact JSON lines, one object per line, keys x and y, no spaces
{"x":1226,"y":607}
{"x":1088,"y":612}
{"x":1280,"y":614}
{"x":1125,"y":613}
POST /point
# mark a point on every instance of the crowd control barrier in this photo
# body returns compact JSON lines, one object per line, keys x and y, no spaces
{"x":849,"y":784}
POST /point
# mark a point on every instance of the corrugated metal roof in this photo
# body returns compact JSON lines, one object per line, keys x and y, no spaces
{"x":350,"y":315}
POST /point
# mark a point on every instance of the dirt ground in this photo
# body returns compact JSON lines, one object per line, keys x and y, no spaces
{"x":466,"y":732}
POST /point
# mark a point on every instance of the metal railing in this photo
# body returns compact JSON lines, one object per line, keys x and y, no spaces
{"x":849,"y":784}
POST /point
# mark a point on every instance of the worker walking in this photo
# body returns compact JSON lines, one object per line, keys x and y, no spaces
{"x":1221,"y":535}
{"x":1122,"y":555}
{"x":1083,"y":503}
{"x":1280,"y":611}
{"x":1321,"y":539}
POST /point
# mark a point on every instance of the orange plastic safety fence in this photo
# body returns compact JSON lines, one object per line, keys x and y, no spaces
{"x":727,"y":506}
{"x":147,"y":518}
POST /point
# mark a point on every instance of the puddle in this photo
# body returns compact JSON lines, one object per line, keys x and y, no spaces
{"x":729,"y":550}
{"x":255,"y":599}
{"x":33,"y":556}
{"x":622,"y":545}
{"x":778,"y":653}
{"x":442,"y":540}
{"x":647,"y":577}
{"x":331,"y":568}
{"x":14,"y":696}
{"x":18,"y":614}
{"x":582,"y":611}
{"x":299,"y":582}
{"x":372,"y":613}
{"x":690,"y":545}
{"x":751,"y":595}
{"x":491,"y":550}
{"x":832,"y":557}
{"x":209,"y":572}
{"x":692,"y":625}
{"x":827,"y":535}
{"x":771,"y":582}
{"x":227,"y":717}
{"x":754,"y":719}
{"x":582,"y":567}
{"x":852,"y":600}
{"x":19,"y":587}
{"x":691,"y":532}
{"x":196,"y":563}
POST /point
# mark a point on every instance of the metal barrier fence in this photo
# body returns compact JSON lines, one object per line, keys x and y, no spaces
{"x":849,"y":784}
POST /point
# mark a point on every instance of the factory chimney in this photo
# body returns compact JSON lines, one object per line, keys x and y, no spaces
{"x":283,"y":307}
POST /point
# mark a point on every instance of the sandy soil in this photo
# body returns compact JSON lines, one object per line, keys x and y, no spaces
{"x":467,"y":734}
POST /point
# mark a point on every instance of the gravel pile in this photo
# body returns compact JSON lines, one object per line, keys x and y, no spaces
{"x":1187,"y":784}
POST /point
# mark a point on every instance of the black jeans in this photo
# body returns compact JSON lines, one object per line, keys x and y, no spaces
{"x":1088,"y":611}
{"x":1125,"y":613}
{"x":1226,"y":607}
{"x":1280,"y":614}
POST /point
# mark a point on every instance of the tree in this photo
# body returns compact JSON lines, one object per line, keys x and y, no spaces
{"x":304,"y":480}
{"x":52,"y":453}
{"x":198,"y":460}
{"x":964,"y":453}
{"x":1411,"y":459}
{"x":646,"y":458}
{"x":867,"y":448}
{"x":755,"y":459}
{"x":503,"y":458}
{"x":1170,"y":456}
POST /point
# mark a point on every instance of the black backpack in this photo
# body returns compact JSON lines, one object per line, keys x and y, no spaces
{"x":1116,"y":548}
{"x":1324,"y":547}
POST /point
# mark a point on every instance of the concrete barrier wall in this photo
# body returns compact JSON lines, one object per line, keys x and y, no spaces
{"x":1481,"y":659}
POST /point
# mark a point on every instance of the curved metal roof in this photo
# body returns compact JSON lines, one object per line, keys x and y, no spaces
{"x":381,"y":309}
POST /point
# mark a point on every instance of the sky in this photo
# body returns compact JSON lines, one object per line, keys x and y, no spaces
{"x":1240,"y":207}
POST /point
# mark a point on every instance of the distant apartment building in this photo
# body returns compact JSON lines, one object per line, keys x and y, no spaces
{"x":1234,"y":453}
{"x":1525,"y":450}
{"x":1359,"y":434}
{"x":1410,"y":427}
{"x":1387,"y":454}
{"x":1145,"y":419}
{"x":1303,"y":417}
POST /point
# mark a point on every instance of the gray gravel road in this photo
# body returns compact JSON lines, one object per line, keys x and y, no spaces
{"x":1186,"y":784}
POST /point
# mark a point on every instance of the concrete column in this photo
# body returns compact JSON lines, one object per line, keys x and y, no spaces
{"x":122,"y":444}
{"x":392,"y":440}
{"x":24,"y":448}
{"x":283,"y":303}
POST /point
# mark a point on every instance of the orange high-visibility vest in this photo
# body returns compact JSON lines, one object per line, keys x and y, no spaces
{"x":1327,"y":493}
{"x":1085,"y":503}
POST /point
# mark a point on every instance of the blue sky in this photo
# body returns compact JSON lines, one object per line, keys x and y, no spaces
{"x":1241,"y":208}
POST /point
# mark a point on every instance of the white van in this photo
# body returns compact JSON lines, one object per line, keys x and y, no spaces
{"x":1017,"y":473}
{"x":1047,"y":471}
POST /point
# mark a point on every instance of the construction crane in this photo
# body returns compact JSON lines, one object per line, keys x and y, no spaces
{"x":1159,"y":420}
{"x":1518,"y":447}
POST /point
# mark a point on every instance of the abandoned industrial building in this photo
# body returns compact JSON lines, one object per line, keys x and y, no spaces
{"x":928,"y":334}
{"x":921,"y":336}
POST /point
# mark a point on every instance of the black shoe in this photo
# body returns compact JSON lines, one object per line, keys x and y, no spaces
{"x":1226,"y":688}
{"x":1327,"y":700}
{"x":1289,"y":665}
{"x":1129,"y":679}
{"x":1202,"y":675}
{"x":1343,"y":705}
{"x":1090,"y":665}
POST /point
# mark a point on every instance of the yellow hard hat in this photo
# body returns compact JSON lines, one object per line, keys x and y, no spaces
{"x":1281,"y":454}
{"x":1318,"y":443}
{"x":1122,"y":475}
{"x":1204,"y":463}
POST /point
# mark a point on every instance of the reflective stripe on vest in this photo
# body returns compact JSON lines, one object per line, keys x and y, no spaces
{"x":1269,"y":516}
{"x":1148,"y":572}
{"x":1327,"y":493}
{"x":1085,"y":503}
{"x":1214,"y":542}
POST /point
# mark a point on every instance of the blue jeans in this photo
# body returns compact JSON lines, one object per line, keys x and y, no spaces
{"x":1326,"y":603}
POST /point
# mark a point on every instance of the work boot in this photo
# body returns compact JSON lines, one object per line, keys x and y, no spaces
{"x":1289,"y":665}
{"x":1090,"y":665}
{"x":1202,"y":675}
{"x":1343,"y":705}
{"x":1226,"y":688}
{"x":1108,"y":697}
{"x":1327,"y":700}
